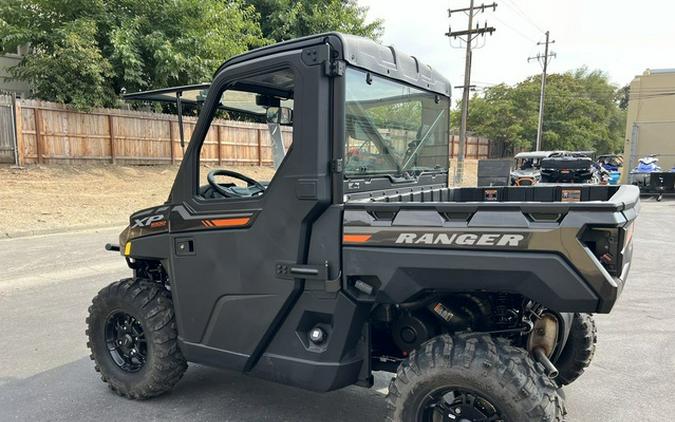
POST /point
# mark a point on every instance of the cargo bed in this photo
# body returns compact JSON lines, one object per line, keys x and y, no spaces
{"x":549,"y":243}
{"x":608,"y":197}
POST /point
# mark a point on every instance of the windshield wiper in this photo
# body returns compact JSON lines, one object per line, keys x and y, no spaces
{"x":422,"y":141}
{"x":370,"y":130}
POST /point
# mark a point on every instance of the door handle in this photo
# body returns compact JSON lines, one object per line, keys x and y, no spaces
{"x":289,"y":270}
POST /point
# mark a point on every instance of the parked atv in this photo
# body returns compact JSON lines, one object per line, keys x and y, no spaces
{"x":526,"y":170}
{"x":358,"y":256}
{"x":571,"y":167}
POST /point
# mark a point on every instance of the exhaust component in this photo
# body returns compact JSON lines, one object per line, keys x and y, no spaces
{"x":542,"y":341}
{"x":549,"y":367}
{"x":544,"y":334}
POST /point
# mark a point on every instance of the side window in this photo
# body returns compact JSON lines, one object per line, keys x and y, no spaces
{"x":249,"y":137}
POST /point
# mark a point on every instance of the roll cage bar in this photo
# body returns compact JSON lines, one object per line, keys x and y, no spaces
{"x":195,"y":95}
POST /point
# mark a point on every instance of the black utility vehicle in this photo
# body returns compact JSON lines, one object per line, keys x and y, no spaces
{"x":572,"y":167}
{"x":357,"y":256}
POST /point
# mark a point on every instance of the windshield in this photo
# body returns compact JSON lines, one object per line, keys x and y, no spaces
{"x":392,"y":127}
{"x":528,"y":163}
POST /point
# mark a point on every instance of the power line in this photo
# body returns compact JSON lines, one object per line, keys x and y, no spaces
{"x":468,"y":36}
{"x":543,"y":59}
{"x":516,"y":31}
{"x":513,"y":6}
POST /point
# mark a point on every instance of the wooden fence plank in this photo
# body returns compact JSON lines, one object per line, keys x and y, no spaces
{"x":260,"y":159}
{"x":39,"y":146}
{"x":18,"y":125}
{"x":219,"y":141}
{"x":111,"y":132}
{"x":173,"y":153}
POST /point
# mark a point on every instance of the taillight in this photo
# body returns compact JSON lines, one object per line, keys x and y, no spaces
{"x":606,"y":244}
{"x":627,"y":234}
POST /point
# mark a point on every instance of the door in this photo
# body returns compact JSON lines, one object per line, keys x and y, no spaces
{"x":231,"y":255}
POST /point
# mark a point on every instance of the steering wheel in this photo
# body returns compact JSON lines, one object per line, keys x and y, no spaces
{"x":233,"y":191}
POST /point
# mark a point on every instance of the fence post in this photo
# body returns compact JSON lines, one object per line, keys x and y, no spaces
{"x":111,"y":132}
{"x":171,"y":152}
{"x":39,"y":146}
{"x":18,"y":128}
{"x":218,"y":140}
{"x":260,"y":160}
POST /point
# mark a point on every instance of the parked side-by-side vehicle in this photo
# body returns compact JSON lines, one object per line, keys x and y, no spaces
{"x":357,"y":256}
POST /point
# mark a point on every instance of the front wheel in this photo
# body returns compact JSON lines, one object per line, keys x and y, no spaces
{"x":472,"y":379}
{"x":133,"y":340}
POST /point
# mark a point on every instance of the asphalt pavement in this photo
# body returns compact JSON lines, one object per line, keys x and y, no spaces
{"x":47,"y":282}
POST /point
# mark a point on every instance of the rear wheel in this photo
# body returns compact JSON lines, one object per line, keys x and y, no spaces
{"x":578,"y":352}
{"x":133,"y":339}
{"x":472,"y":379}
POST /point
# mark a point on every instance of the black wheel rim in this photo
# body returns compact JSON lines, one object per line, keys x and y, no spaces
{"x":457,"y":405}
{"x":125,"y":339}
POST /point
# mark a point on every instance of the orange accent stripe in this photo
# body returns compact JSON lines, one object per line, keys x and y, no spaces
{"x":230,"y":222}
{"x":356,"y":238}
{"x":158,"y":224}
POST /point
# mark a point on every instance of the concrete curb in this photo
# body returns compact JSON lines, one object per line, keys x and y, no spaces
{"x":41,"y":232}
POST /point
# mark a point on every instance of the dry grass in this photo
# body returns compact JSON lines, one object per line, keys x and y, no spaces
{"x":40,"y":198}
{"x":48,"y":198}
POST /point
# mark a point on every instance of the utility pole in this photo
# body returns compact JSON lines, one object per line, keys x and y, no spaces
{"x":467,"y":36}
{"x":543,"y":60}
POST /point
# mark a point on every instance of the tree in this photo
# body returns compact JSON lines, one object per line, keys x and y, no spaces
{"x":623,"y":96}
{"x":286,"y":19}
{"x":85,"y":51}
{"x":581,"y":113}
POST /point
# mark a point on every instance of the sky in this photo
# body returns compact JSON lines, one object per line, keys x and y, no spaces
{"x":620,"y":37}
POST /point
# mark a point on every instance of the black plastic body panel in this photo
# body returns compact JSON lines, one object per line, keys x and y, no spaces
{"x":404,"y":273}
{"x":292,"y":359}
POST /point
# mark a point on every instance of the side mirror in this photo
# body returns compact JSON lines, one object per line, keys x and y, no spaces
{"x":280,"y":115}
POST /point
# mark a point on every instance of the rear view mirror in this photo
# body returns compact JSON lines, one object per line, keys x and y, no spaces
{"x":280,"y":115}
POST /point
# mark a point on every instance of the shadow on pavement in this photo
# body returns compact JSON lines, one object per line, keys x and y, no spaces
{"x":74,"y":392}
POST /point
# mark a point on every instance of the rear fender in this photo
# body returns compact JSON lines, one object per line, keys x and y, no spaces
{"x":404,"y":273}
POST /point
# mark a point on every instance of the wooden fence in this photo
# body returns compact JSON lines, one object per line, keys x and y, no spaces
{"x":7,"y":141}
{"x":476,"y":147}
{"x":52,"y":133}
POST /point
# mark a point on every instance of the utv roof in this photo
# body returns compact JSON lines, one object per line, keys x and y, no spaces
{"x":536,"y":154}
{"x":363,"y":53}
{"x":357,"y":51}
